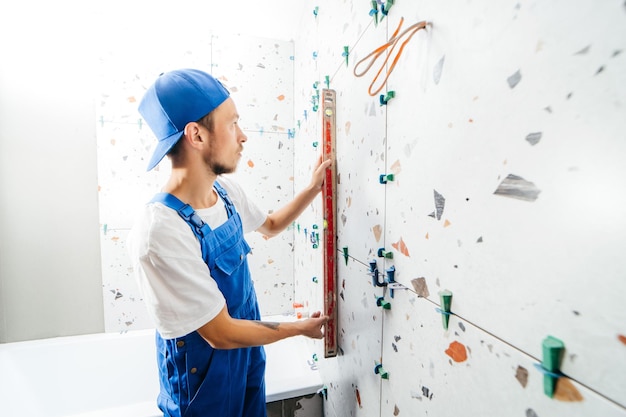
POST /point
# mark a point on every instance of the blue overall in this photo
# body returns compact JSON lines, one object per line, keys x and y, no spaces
{"x":196,"y":379}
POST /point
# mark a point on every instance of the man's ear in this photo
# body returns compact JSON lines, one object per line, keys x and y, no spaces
{"x":193,"y":135}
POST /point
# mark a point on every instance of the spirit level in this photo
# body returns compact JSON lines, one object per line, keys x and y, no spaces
{"x":330,"y":237}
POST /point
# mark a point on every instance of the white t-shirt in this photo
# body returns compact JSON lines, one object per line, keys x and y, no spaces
{"x":175,"y":283}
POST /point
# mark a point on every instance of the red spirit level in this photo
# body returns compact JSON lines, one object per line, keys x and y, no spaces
{"x":329,"y":208}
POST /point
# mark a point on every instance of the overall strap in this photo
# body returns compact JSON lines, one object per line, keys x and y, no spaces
{"x":198,"y":226}
{"x":230,"y":207}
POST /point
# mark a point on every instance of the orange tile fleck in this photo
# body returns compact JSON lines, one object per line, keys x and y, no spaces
{"x":457,"y":351}
{"x":401,"y":247}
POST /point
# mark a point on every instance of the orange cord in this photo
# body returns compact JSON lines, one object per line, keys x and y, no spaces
{"x":376,"y":53}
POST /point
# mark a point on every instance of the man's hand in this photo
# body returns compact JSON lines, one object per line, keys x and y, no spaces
{"x":319,"y":173}
{"x":312,"y":327}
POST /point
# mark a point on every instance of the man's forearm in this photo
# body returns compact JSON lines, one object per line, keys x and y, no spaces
{"x":280,"y":219}
{"x":283,"y":217}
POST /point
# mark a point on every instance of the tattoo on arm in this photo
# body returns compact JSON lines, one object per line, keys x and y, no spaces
{"x":269,"y":324}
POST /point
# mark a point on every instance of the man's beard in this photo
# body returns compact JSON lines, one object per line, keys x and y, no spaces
{"x":218,"y":168}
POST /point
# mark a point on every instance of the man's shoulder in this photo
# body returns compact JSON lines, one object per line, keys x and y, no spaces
{"x":158,"y":228}
{"x":157,"y":218}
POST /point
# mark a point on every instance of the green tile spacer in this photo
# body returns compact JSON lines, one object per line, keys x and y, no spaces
{"x":379,"y":370}
{"x":346,"y":53}
{"x":553,"y":350}
{"x":385,"y":177}
{"x":380,"y":302}
{"x":384,"y":98}
{"x":374,"y":12}
{"x":446,"y":303}
{"x":345,"y":254}
{"x":387,"y":7}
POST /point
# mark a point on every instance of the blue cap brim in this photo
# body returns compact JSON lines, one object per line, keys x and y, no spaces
{"x":162,"y":149}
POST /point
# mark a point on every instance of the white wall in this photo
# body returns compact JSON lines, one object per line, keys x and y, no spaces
{"x":50,"y":279}
{"x":521,"y":266}
{"x":50,"y":257}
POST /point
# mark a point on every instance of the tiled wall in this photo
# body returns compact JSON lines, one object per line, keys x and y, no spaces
{"x":259,"y":74}
{"x":506,"y":137}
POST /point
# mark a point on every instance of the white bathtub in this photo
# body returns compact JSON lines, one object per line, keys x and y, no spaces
{"x":115,"y":375}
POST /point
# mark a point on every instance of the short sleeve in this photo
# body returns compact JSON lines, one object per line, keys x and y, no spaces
{"x":174,"y":281}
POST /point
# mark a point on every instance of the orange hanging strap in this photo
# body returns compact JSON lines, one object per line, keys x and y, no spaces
{"x":387,"y":48}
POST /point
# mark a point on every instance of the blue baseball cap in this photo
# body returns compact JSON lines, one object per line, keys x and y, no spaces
{"x":175,"y":99}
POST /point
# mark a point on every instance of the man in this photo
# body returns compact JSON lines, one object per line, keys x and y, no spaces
{"x":189,"y":254}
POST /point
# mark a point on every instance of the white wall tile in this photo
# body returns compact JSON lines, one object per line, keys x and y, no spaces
{"x":504,"y":138}
{"x":353,"y":389}
{"x":465,"y":371}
